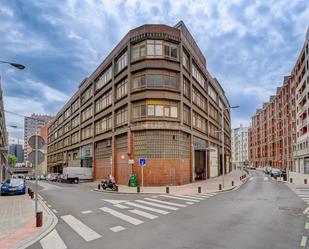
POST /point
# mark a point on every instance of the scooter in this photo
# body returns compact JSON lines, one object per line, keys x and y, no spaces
{"x":108,"y":184}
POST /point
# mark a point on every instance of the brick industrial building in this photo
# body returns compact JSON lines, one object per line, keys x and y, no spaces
{"x":153,"y":98}
{"x":279,"y":130}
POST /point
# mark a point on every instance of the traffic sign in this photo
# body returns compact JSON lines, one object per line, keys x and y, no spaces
{"x":142,"y":162}
{"x":31,"y":142}
{"x":41,"y":157}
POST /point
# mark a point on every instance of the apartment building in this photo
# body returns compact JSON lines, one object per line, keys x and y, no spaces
{"x":239,"y":141}
{"x":31,"y":126}
{"x":273,"y":129}
{"x":153,"y":98}
{"x":301,"y":80}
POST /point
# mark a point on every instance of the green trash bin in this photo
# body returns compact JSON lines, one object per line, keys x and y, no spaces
{"x":133,"y":180}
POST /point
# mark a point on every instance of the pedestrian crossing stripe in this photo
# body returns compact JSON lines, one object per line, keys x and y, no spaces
{"x":52,"y":240}
{"x":179,"y":198}
{"x":156,"y":205}
{"x":143,"y":214}
{"x":122,"y":216}
{"x":166,"y":202}
{"x":160,"y":211}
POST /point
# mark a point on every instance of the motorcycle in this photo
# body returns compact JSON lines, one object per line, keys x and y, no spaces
{"x":108,"y":184}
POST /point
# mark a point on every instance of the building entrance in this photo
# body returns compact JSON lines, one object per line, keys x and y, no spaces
{"x":200,"y":164}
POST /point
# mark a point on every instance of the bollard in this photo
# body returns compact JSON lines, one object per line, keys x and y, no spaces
{"x":39,"y":219}
{"x":138,"y":189}
{"x":305,"y":181}
{"x":29,"y":189}
{"x":116,"y":188}
{"x":167,"y":190}
{"x":275,"y":177}
{"x":220,"y":187}
{"x":32,"y":194}
{"x":291,"y":180}
{"x":232,"y":183}
{"x":99,"y":186}
{"x":199,"y":189}
{"x":240,"y":178}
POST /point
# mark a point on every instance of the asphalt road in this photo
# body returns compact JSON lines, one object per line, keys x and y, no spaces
{"x":262,"y":214}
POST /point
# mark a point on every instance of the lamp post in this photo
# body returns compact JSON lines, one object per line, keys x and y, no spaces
{"x":20,"y":67}
{"x":222,"y":139}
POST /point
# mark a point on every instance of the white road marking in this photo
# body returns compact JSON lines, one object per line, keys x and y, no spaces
{"x":117,"y":229}
{"x":157,"y":205}
{"x":306,"y":210}
{"x":191,"y":197}
{"x":147,"y":208}
{"x":52,"y":241}
{"x":307,"y":225}
{"x":166,"y":202}
{"x":87,"y":212}
{"x":55,"y":211}
{"x":143,"y":214}
{"x":80,"y":228}
{"x":251,"y":178}
{"x":154,"y":196}
{"x":179,"y":198}
{"x":120,"y":206}
{"x":189,"y":203}
{"x":45,"y":201}
{"x":265,"y":178}
{"x":303,"y":241}
{"x":48,"y":205}
{"x":122,"y":216}
{"x":200,"y":196}
{"x":114,"y":201}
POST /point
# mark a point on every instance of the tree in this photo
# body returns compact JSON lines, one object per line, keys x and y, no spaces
{"x":12,"y":160}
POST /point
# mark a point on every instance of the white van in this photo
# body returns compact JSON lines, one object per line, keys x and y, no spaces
{"x":75,"y":174}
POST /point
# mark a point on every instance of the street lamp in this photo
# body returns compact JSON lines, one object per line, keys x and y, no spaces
{"x":222,"y":138}
{"x":16,"y":65}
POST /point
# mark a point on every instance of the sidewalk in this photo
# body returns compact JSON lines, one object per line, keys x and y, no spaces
{"x":298,"y":178}
{"x":18,"y":224}
{"x":208,"y":186}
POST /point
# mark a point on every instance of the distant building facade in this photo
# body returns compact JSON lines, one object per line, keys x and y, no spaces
{"x":18,"y":151}
{"x":30,"y":125}
{"x":152,"y":98}
{"x":239,"y":141}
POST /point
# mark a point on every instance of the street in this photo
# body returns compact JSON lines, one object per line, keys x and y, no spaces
{"x":263,"y":213}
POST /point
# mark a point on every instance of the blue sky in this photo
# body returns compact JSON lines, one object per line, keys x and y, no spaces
{"x":249,"y":45}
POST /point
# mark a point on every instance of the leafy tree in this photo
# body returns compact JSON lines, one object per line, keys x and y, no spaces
{"x":12,"y":160}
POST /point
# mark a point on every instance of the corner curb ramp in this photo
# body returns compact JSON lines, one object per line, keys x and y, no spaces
{"x":39,"y":235}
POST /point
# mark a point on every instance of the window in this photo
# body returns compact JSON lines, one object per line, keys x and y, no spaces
{"x":185,"y":60}
{"x":66,"y":141}
{"x":121,"y":62}
{"x":155,"y":80}
{"x":86,"y":95}
{"x":199,"y":122}
{"x":104,"y":101}
{"x":138,"y":51}
{"x":75,"y":137}
{"x":186,"y":115}
{"x":103,"y":124}
{"x":212,"y":93}
{"x":213,"y":112}
{"x":122,"y":116}
{"x":87,"y":113}
{"x":106,"y":77}
{"x":170,"y":51}
{"x":122,"y":89}
{"x":198,"y":76}
{"x":75,"y":121}
{"x":154,"y":48}
{"x":87,"y":132}
{"x":67,"y":113}
{"x":198,"y":99}
{"x":186,"y":87}
{"x":155,"y":108}
{"x":75,"y":105}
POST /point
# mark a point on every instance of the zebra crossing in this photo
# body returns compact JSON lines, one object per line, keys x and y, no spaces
{"x":302,"y":192}
{"x":129,"y":212}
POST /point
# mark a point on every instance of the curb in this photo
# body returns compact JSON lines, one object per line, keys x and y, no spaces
{"x":240,"y":183}
{"x":30,"y":241}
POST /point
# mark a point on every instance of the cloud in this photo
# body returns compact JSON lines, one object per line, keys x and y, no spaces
{"x":249,"y":45}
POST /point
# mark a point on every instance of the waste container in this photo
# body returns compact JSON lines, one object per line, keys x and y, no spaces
{"x":133,"y":180}
{"x":285,"y":177}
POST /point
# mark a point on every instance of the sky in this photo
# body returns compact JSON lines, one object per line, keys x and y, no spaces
{"x":249,"y":46}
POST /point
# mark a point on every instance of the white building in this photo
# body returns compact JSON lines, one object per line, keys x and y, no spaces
{"x":301,"y":77}
{"x":240,"y":146}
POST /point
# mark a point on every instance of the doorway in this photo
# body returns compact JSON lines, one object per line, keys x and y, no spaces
{"x":200,"y":163}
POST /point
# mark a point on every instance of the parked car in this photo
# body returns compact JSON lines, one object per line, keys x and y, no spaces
{"x":75,"y":174}
{"x":54,"y":177}
{"x":275,"y":172}
{"x":42,"y":177}
{"x":13,"y":186}
{"x":18,"y":176}
{"x":267,"y":170}
{"x":27,"y":178}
